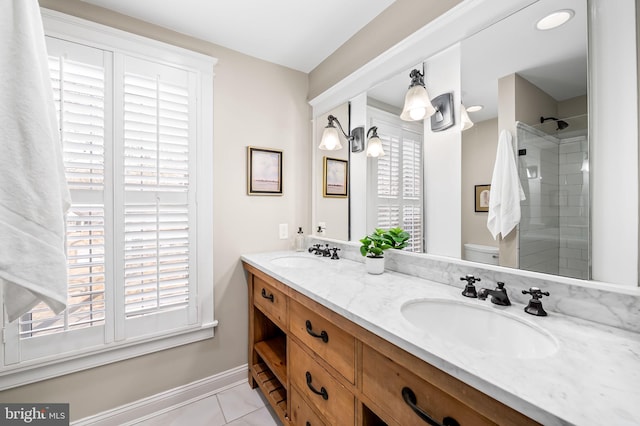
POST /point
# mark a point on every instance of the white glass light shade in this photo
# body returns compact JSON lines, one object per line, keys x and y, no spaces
{"x":417,"y":104}
{"x":374,"y":148}
{"x":464,"y":119}
{"x":330,"y":139}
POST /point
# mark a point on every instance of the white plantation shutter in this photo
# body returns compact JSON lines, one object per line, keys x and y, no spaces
{"x":78,"y":80}
{"x":411,"y":165}
{"x":412,"y":188}
{"x":412,"y":223}
{"x":158,"y":198}
{"x":388,"y":215}
{"x":398,"y":179}
{"x":156,"y":258}
{"x":389,"y":166}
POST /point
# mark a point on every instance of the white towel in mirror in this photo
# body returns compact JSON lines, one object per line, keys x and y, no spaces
{"x":506,"y":190}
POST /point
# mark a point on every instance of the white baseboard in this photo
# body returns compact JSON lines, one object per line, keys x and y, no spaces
{"x":145,"y":408}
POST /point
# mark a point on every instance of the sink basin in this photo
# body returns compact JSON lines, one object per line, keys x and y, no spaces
{"x":482,"y":328}
{"x":295,"y":261}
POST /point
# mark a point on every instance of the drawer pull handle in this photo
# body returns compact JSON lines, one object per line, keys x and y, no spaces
{"x":267,"y":296}
{"x":410,"y":398}
{"x":323,"y":334}
{"x":322,"y":392}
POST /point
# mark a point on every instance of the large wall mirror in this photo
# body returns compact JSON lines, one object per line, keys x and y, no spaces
{"x":549,"y":88}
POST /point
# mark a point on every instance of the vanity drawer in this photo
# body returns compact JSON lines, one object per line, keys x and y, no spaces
{"x":301,"y":413}
{"x":325,"y":393}
{"x":323,"y":337}
{"x":383,"y":382}
{"x":270,"y":301}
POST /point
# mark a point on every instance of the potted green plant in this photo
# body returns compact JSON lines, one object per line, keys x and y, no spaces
{"x":374,"y":245}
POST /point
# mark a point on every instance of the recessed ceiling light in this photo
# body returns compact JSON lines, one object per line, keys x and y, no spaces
{"x":474,"y":108}
{"x":555,"y":19}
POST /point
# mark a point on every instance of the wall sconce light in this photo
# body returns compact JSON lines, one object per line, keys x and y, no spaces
{"x":417,"y":104}
{"x":465,"y":120}
{"x":443,"y":117}
{"x":374,"y":145}
{"x":331,"y":138}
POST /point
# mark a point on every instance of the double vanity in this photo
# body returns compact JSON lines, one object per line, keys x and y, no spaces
{"x":330,"y":344}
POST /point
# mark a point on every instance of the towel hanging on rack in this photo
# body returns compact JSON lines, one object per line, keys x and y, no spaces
{"x":33,"y":190}
{"x":506,"y":190}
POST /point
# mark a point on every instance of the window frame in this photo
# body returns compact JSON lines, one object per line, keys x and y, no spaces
{"x":72,"y":29}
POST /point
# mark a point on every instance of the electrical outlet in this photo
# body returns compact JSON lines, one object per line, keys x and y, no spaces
{"x":284,"y":231}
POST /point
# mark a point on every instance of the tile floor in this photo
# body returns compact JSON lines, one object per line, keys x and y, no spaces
{"x":237,"y":406}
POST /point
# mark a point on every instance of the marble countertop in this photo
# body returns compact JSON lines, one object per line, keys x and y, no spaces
{"x":593,"y":378}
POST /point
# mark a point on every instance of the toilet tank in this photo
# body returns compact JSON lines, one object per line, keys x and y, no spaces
{"x":482,"y":254}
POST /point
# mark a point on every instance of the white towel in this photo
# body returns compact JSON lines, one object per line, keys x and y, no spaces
{"x":506,"y":191}
{"x":33,"y":191}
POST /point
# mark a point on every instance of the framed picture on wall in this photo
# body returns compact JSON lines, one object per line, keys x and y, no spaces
{"x":264,"y":171}
{"x":482,"y":197}
{"x":334,"y":178}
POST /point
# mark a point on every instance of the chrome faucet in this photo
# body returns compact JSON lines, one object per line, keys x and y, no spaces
{"x":498,"y":295}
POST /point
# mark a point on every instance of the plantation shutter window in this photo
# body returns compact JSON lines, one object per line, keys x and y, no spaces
{"x":412,"y":188}
{"x":397,"y":179}
{"x":388,"y":180}
{"x":137,"y":149}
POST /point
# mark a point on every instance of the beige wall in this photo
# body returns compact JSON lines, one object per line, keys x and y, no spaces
{"x":531,"y":102}
{"x":256,"y":103}
{"x":479,"y":146}
{"x":572,"y":107}
{"x":393,"y":25}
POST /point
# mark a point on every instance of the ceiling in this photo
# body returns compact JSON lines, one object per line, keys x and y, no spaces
{"x":554,"y":60}
{"x":297,"y":34}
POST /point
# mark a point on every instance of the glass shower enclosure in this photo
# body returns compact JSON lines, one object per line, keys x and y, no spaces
{"x":554,"y":228}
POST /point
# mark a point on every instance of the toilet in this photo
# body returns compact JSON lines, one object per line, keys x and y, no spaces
{"x":482,"y":254}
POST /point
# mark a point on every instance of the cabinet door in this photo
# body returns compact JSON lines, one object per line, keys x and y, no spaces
{"x":332,"y":344}
{"x":316,"y":385}
{"x":386,"y":383}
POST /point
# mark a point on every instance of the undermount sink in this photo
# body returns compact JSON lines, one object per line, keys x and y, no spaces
{"x":295,"y":261}
{"x":482,"y":328}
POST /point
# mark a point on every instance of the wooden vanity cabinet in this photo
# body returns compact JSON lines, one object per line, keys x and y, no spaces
{"x":315,"y":367}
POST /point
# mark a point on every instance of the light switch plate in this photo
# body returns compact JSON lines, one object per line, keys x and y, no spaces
{"x":284,"y":231}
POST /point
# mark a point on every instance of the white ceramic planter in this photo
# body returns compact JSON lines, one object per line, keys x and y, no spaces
{"x":374,"y":265}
